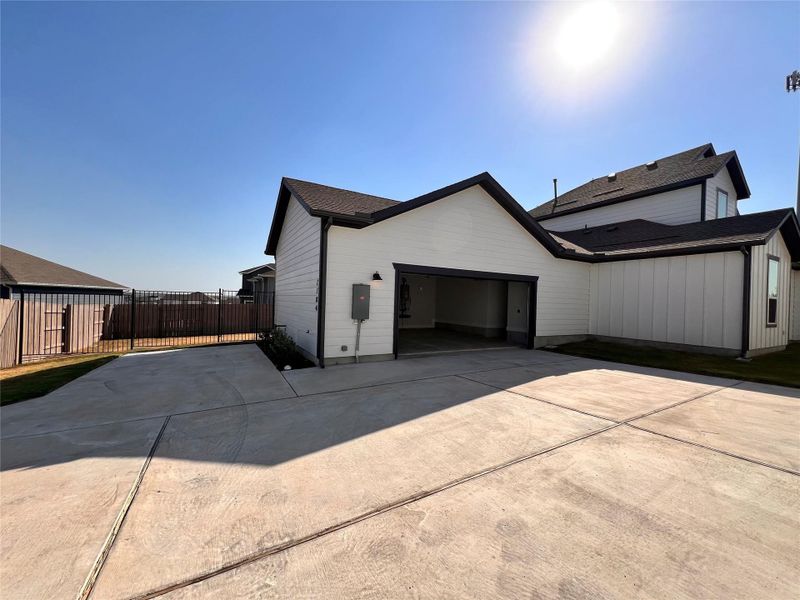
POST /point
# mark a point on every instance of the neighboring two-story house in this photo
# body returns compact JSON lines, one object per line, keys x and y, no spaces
{"x":258,"y":284}
{"x":655,"y":254}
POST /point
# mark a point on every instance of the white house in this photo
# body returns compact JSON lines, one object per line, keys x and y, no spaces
{"x":655,"y":254}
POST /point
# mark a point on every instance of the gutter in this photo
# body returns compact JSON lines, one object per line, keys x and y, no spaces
{"x":323,"y":268}
{"x":746,"y":280}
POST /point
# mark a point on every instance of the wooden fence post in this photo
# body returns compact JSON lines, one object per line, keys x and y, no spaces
{"x":21,"y":314}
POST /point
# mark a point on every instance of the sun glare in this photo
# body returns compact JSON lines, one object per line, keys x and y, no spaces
{"x":588,"y":34}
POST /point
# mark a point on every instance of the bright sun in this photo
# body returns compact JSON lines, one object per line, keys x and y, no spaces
{"x":588,"y":34}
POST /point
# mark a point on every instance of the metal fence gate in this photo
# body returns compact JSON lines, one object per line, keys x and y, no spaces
{"x":49,"y":324}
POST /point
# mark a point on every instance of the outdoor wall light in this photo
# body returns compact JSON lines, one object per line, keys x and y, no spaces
{"x":376,"y":276}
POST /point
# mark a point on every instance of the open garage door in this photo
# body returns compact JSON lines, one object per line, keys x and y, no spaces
{"x":440,"y":310}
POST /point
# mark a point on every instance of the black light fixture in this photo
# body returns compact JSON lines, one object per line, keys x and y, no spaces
{"x":376,"y":276}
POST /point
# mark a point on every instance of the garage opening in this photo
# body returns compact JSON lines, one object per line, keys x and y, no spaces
{"x":440,"y":310}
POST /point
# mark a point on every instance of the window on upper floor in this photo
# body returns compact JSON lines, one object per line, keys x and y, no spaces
{"x":773,"y":271}
{"x":722,"y":203}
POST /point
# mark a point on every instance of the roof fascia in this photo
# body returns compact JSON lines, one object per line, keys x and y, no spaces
{"x":633,"y":196}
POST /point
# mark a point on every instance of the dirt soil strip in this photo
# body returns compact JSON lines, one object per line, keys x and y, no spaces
{"x":94,"y":572}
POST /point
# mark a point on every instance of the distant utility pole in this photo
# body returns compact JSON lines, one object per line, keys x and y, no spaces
{"x":792,"y":85}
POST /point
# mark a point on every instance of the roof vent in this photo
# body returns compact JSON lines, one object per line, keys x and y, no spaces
{"x":612,"y":176}
{"x":612,"y":228}
{"x":652,"y":165}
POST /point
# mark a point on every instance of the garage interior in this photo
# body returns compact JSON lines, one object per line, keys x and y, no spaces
{"x":442,"y":314}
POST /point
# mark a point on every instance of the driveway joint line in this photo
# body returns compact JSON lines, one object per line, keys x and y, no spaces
{"x":297,"y":396}
{"x":97,"y":566}
{"x":596,"y":416}
{"x":712,"y":449}
{"x":527,"y":397}
{"x":289,"y":383}
{"x":256,"y":556}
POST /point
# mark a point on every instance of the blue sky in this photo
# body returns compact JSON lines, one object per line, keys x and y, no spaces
{"x":145,"y":142}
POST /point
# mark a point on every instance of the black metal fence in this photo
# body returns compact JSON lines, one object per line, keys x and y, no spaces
{"x":83,"y":323}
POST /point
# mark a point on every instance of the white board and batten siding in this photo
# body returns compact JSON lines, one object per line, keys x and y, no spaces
{"x":467,"y":230}
{"x":694,"y":300}
{"x":761,"y":336}
{"x":297,"y":276}
{"x":794,"y":308}
{"x":721,"y":180}
{"x":671,"y":208}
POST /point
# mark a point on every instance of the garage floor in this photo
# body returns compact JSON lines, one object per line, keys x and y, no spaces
{"x":433,"y":341}
{"x":205,"y":473}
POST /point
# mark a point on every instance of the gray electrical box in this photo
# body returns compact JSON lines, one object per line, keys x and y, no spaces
{"x":360,"y":309}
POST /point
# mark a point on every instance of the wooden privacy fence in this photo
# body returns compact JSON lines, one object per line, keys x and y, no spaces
{"x":9,"y":328}
{"x":42,"y":324}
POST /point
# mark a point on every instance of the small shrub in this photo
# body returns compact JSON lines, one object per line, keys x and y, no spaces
{"x":282,"y":351}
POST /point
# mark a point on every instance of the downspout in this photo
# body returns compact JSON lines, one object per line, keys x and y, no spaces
{"x":323,"y":268}
{"x":746,"y":277}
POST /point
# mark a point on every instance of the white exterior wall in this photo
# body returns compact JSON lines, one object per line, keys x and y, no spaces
{"x":467,"y":230}
{"x":297,"y":275}
{"x":721,"y":180}
{"x":694,"y":300}
{"x":671,"y":208}
{"x":794,"y":310}
{"x":762,"y":336}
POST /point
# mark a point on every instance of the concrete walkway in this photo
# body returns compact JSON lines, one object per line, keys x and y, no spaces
{"x":206,"y":473}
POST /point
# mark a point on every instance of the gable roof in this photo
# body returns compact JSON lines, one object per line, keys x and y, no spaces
{"x":330,"y":200}
{"x":646,"y":238}
{"x":21,"y":268}
{"x":684,"y":169}
{"x":353,"y":209}
{"x":258,"y":270}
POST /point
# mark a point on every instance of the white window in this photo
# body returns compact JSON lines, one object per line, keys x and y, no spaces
{"x":773,"y":272}
{"x":722,"y":204}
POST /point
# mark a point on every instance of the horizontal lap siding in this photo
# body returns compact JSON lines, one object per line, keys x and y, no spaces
{"x":468,"y":230}
{"x":762,"y":336}
{"x":296,"y":276}
{"x":721,"y":180}
{"x":684,"y":299}
{"x":671,"y":208}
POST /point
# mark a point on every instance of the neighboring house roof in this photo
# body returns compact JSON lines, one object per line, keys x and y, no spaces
{"x":684,"y":169}
{"x":353,"y":209}
{"x":186,"y":297}
{"x":645,"y":238}
{"x":19,"y":268}
{"x":259,"y":270}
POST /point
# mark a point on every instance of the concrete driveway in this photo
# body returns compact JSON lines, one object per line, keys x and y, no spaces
{"x":206,"y":473}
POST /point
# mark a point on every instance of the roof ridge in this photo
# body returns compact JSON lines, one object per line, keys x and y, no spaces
{"x":340,"y":189}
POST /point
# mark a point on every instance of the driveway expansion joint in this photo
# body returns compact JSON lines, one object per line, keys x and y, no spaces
{"x":256,"y":556}
{"x":717,"y":450}
{"x":94,"y":572}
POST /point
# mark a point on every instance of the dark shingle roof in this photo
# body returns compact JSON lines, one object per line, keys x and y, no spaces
{"x":639,"y":236}
{"x":335,"y":200}
{"x":23,"y":268}
{"x":667,"y":173}
{"x":260,"y":269}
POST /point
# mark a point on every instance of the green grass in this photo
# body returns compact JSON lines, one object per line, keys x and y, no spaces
{"x":37,"y":379}
{"x":781,"y":368}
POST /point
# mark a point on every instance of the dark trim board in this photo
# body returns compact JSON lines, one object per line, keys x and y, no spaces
{"x":642,"y":194}
{"x":531,"y":280}
{"x":703,"y":200}
{"x":325,"y":224}
{"x":748,"y":259}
